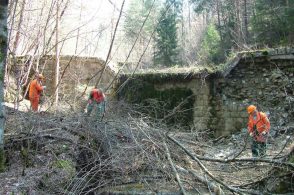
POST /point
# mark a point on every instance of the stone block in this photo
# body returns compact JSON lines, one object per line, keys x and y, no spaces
{"x":227,"y":114}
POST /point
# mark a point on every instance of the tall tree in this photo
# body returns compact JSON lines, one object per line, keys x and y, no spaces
{"x":246,"y":34}
{"x":166,"y":39}
{"x":210,"y":51}
{"x":231,"y":19}
{"x":56,"y":72}
{"x":18,"y":30}
{"x":3,"y":52}
{"x":136,"y":14}
{"x":273,"y":22}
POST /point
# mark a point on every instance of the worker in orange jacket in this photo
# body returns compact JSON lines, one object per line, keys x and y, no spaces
{"x":35,"y":91}
{"x":258,"y":129}
{"x":96,"y":100}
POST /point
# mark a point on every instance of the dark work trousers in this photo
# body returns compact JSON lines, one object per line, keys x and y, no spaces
{"x":258,"y":148}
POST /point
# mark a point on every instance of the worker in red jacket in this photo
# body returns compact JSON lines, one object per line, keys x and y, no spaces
{"x":96,"y":100}
{"x":258,"y":129}
{"x":35,"y":91}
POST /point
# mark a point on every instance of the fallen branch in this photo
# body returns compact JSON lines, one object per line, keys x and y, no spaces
{"x":287,"y":141}
{"x":31,"y":136}
{"x":174,"y":169}
{"x":232,"y":189}
{"x":265,"y":160}
{"x":240,"y":152}
{"x":211,"y":185}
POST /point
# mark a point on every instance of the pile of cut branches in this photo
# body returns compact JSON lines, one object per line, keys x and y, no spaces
{"x":127,"y":152}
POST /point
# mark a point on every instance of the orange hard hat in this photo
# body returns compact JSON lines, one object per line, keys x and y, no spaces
{"x":251,"y":108}
{"x":40,"y":76}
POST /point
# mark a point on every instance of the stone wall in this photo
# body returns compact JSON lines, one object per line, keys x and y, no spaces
{"x":201,"y":105}
{"x":220,"y":100}
{"x":75,"y":72}
{"x":267,"y":84}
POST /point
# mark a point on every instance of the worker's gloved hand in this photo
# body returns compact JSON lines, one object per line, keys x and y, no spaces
{"x":251,"y":134}
{"x":264,"y":133}
{"x":44,"y":87}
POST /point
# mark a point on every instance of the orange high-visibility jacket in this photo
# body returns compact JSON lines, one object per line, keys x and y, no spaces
{"x":262,"y":124}
{"x":35,"y":89}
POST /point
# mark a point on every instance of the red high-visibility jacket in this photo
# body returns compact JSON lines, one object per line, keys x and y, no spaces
{"x":262,"y":124}
{"x":96,"y":95}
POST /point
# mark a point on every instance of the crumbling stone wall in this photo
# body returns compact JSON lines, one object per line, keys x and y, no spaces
{"x":79,"y":70}
{"x":267,"y":84}
{"x":75,"y":72}
{"x":220,"y":102}
{"x":201,"y":93}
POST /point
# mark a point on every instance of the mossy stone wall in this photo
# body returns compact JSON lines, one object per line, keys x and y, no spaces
{"x":219,"y":103}
{"x":172,"y":104}
{"x":267,"y":84}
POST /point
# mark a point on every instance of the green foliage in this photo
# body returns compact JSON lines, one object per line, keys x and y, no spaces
{"x":273,"y":22}
{"x":220,"y":37}
{"x":66,"y":165}
{"x":136,"y":15}
{"x":166,"y":39}
{"x":202,"y":5}
{"x":25,"y":157}
{"x":291,"y":159}
{"x":211,"y":46}
{"x":257,"y":23}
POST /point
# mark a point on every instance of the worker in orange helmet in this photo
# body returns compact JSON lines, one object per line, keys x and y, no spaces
{"x":96,"y":100}
{"x":35,"y":91}
{"x":258,"y":128}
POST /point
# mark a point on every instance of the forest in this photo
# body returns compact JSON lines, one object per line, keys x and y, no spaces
{"x":146,"y":97}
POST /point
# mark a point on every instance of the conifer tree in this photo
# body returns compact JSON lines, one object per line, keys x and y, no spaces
{"x":166,"y":39}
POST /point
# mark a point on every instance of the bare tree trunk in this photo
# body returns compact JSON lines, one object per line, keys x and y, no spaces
{"x":218,"y":19}
{"x":183,"y":34}
{"x":3,"y":52}
{"x":78,"y":34}
{"x":238,"y":25}
{"x":56,"y":73}
{"x":52,"y":33}
{"x":291,"y":33}
{"x":12,"y":6}
{"x":189,"y":16}
{"x":16,"y":40}
{"x":111,"y":44}
{"x":245,"y":22}
{"x":46,"y":27}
